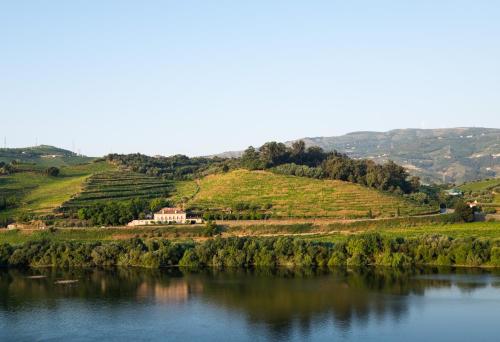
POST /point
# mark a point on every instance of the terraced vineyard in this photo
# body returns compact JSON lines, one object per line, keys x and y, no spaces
{"x":296,"y":197}
{"x":485,"y":192}
{"x":120,"y":185}
{"x":38,"y":194}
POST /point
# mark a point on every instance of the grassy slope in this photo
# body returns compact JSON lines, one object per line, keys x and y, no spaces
{"x":39,"y":193}
{"x":479,"y":188}
{"x":292,"y":196}
{"x":481,"y":185}
{"x":184,"y":191}
{"x":43,"y":156}
{"x":120,"y":185}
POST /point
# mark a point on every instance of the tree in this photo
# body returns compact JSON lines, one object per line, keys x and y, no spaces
{"x":273,"y":153}
{"x":297,"y":151}
{"x":52,"y":171}
{"x":158,"y":203}
{"x":464,"y":212}
{"x":251,"y":159}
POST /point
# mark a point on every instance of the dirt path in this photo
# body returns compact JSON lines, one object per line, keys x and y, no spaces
{"x":314,"y":221}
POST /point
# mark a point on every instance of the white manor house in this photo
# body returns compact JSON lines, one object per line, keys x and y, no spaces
{"x":167,"y":215}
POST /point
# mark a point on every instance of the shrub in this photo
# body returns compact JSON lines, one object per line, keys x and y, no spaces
{"x":52,"y":171}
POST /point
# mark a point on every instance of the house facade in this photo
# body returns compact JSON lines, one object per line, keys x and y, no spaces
{"x":176,"y":215}
{"x":167,"y":215}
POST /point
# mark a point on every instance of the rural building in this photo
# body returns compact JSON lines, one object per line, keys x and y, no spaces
{"x":170,"y":215}
{"x":472,"y":204}
{"x":454,"y":192}
{"x":167,"y":215}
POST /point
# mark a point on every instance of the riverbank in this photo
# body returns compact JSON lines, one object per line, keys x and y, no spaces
{"x":356,"y":250}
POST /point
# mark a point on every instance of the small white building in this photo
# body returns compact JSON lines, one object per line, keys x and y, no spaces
{"x":176,"y":215}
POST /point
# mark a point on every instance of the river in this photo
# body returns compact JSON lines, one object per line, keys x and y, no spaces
{"x":371,"y":304}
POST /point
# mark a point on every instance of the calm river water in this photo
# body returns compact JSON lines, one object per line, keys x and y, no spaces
{"x":249,"y":305}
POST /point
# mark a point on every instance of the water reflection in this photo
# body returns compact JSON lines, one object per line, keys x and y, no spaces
{"x":279,"y":301}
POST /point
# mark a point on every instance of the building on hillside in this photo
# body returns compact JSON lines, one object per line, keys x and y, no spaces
{"x":176,"y":215}
{"x":167,"y":215}
{"x":472,"y":204}
{"x":454,"y":192}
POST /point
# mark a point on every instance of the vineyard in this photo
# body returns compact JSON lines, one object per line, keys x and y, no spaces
{"x":119,"y":186}
{"x":36,"y":193}
{"x":485,"y":192}
{"x":289,"y":196}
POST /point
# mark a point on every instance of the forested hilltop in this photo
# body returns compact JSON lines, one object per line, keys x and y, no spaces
{"x":297,"y":160}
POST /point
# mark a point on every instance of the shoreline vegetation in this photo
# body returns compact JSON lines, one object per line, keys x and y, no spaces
{"x":365,"y":249}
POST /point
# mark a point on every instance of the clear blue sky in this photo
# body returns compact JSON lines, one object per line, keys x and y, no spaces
{"x":200,"y":77}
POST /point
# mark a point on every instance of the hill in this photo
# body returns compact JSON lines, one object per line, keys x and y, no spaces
{"x":43,"y":156}
{"x":119,"y":185}
{"x":485,"y":192}
{"x":283,"y":196}
{"x":436,"y":155}
{"x":33,"y":192}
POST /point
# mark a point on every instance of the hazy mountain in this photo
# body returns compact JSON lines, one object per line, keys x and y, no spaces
{"x":451,"y":154}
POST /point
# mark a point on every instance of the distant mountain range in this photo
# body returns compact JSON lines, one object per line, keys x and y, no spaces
{"x":435,"y":155}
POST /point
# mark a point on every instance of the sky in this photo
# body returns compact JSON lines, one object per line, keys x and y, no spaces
{"x":202,"y":77}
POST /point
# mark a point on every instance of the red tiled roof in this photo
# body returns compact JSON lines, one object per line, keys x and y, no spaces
{"x":171,"y":211}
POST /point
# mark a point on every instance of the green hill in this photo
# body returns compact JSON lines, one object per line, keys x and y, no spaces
{"x":485,"y":192}
{"x":43,"y":156}
{"x":120,"y":185}
{"x":293,"y":197}
{"x":36,"y":193}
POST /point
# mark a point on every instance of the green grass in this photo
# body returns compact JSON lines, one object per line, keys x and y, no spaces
{"x":481,"y":185}
{"x":177,"y":233}
{"x":329,"y":233}
{"x":40,"y":194}
{"x":297,"y":197}
{"x":490,"y":230}
{"x":184,"y":191}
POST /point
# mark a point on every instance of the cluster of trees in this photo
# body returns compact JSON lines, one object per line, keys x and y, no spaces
{"x":272,"y":154}
{"x":178,"y":167}
{"x":114,"y":213}
{"x":134,"y":252}
{"x":360,"y":250}
{"x":315,"y":163}
{"x":7,"y":168}
{"x":369,"y":249}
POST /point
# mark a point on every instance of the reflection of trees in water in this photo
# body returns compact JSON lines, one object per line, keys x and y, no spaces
{"x":280,"y":300}
{"x":16,"y":286}
{"x":284,"y":300}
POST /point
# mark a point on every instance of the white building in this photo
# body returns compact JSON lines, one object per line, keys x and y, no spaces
{"x":167,"y":215}
{"x":176,"y":215}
